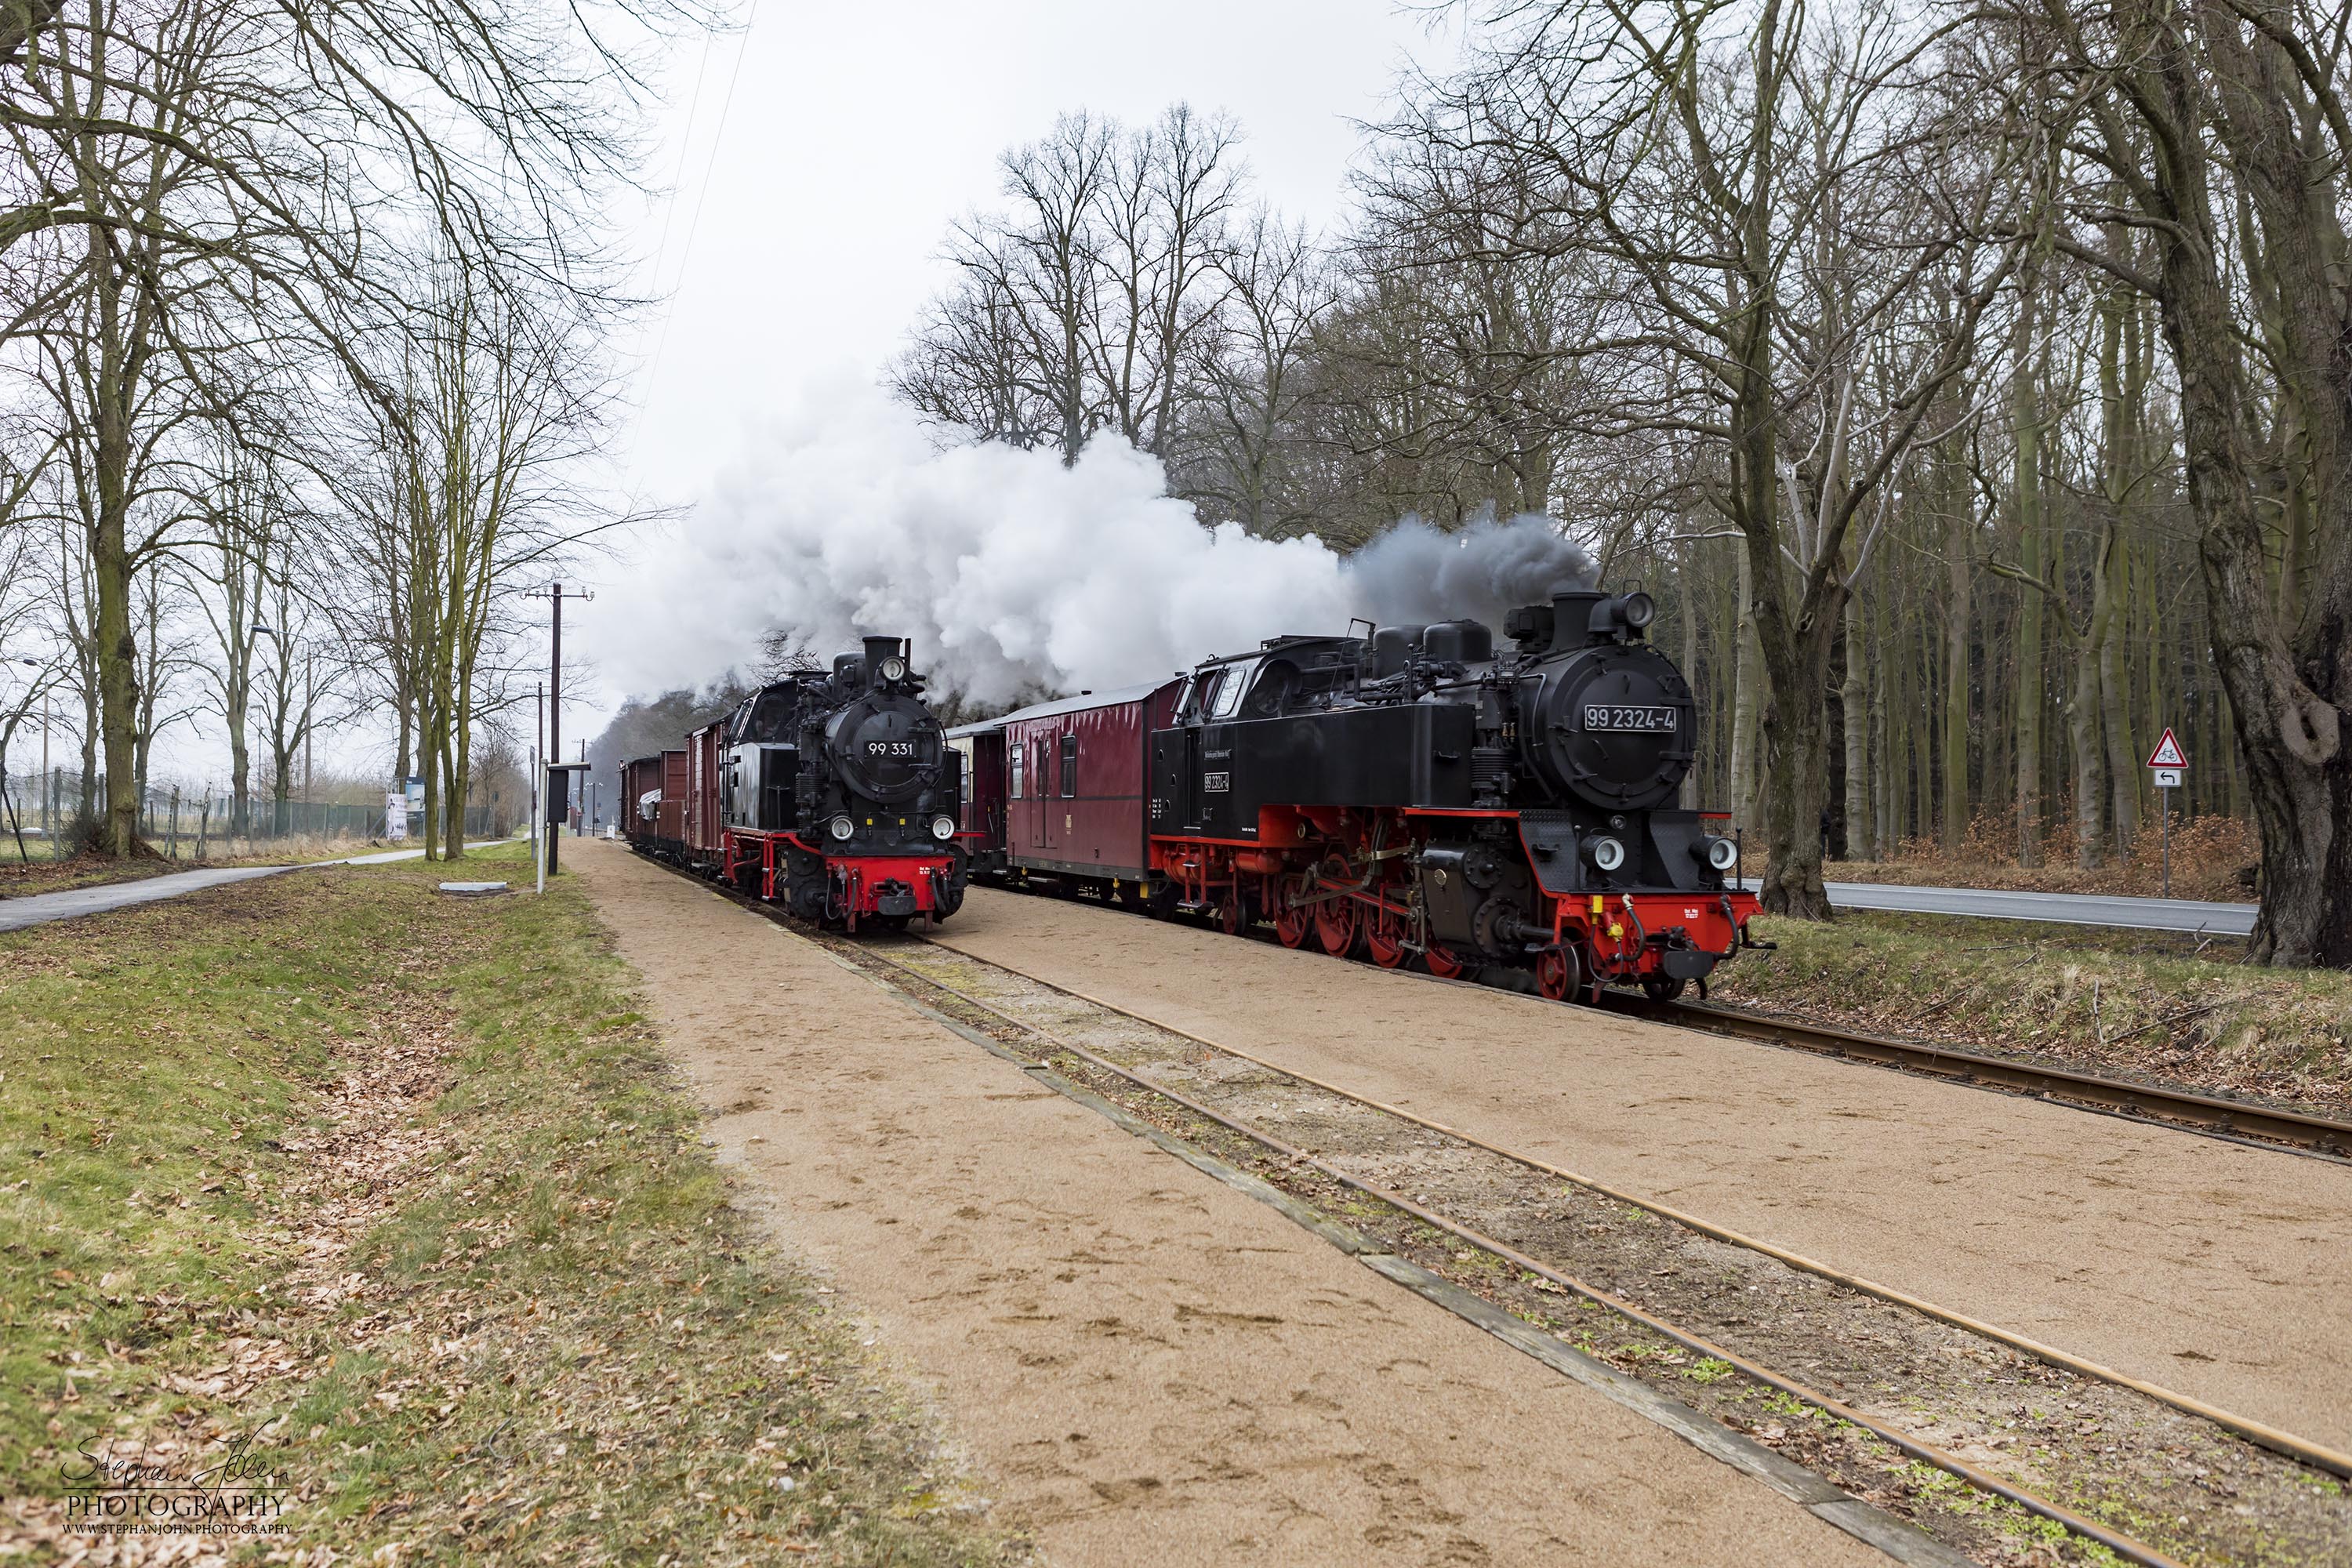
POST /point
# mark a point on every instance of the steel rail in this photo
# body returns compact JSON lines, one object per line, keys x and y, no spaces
{"x":2278,"y":1441}
{"x":2123,"y":1546}
{"x":2282,"y":1128}
{"x":2281,"y":1124}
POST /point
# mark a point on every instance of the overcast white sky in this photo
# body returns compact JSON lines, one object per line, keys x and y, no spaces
{"x":803,"y":237}
{"x":858,"y":133}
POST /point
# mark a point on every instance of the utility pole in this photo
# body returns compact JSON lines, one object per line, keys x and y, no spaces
{"x":555,"y":595}
{"x":538,"y":783}
{"x":309,"y":702}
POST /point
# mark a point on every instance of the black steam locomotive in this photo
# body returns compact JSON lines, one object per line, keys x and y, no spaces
{"x":835,"y":792}
{"x":1410,"y":795}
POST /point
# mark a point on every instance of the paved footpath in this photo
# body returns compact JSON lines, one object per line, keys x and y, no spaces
{"x":39,"y":909}
{"x":1146,"y":1366}
{"x":2062,"y":909}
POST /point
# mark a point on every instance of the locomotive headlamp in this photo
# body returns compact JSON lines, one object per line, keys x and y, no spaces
{"x":1607,"y":853}
{"x":894,"y":670}
{"x":1722,"y":854}
{"x":943,"y":828}
{"x":1637,"y":610}
{"x":841,"y":827}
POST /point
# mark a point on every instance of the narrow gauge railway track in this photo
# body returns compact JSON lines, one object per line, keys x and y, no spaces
{"x":2260,"y":1124}
{"x":868,"y":958}
{"x":2241,"y":1120}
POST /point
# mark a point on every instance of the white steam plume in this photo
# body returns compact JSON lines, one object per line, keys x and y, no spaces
{"x":1013,"y":573}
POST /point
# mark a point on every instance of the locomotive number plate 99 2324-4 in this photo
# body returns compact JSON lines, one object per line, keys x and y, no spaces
{"x":1648,"y":720}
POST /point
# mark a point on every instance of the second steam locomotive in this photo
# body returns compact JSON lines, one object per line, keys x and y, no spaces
{"x":834,"y":794}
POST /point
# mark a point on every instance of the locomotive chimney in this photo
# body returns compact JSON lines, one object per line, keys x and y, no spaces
{"x":877,"y":650}
{"x":1572,"y":617}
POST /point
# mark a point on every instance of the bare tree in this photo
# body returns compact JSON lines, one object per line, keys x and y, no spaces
{"x":1086,"y":304}
{"x":2196,"y":107}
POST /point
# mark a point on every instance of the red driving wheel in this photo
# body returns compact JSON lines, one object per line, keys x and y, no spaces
{"x":1292,"y":924}
{"x":1555,"y":973}
{"x":1386,"y":942}
{"x":1234,"y":913}
{"x":1336,"y":925}
{"x":1442,"y":963}
{"x":1337,"y":921}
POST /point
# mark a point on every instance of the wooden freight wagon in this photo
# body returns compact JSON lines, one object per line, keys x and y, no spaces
{"x":705,"y":822}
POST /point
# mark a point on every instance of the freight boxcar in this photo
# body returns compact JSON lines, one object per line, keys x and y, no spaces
{"x":705,"y":824}
{"x":641,"y":796}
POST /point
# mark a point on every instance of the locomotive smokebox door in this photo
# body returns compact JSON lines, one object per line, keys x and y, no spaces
{"x":888,"y":747}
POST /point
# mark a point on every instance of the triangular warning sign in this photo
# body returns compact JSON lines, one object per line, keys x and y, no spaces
{"x":2167,"y":753}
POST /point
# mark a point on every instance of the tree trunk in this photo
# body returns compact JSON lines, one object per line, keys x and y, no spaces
{"x":1747,"y":676}
{"x":1957,"y":609}
{"x":116,"y":649}
{"x":2026,"y":499}
{"x":2287,"y":698}
{"x":1796,"y":792}
{"x":2086,"y":726}
{"x":1694,"y":788}
{"x":1861,"y":837}
{"x":2119,"y":396}
{"x":2114,"y":705}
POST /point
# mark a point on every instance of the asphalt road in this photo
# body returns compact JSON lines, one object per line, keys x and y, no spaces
{"x":39,"y":909}
{"x":2064,"y":909}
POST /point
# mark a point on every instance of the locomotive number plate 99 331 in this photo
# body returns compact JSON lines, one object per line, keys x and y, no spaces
{"x":1648,"y":720}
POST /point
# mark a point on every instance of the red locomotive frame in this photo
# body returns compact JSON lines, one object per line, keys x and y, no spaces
{"x":747,"y":857}
{"x":1302,"y":873}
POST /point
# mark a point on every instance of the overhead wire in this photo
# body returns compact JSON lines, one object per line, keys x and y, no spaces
{"x":701,"y":199}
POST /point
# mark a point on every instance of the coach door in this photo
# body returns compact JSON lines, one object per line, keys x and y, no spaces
{"x":1041,"y":789}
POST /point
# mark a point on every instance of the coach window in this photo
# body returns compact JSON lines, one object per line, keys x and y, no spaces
{"x":1018,"y":752}
{"x":1069,"y":763}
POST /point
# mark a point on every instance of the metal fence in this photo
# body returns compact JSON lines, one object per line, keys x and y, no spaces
{"x":52,"y":817}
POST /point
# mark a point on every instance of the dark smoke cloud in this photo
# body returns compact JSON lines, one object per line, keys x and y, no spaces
{"x":1414,"y":573}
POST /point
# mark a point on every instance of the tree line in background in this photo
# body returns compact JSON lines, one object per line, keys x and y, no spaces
{"x":1967,"y":384}
{"x":299,"y":307}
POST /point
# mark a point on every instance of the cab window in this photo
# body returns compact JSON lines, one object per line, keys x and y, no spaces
{"x":1228,"y":700}
{"x":769,"y":713}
